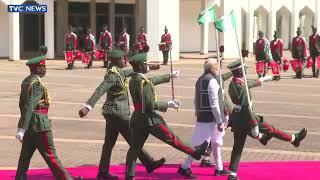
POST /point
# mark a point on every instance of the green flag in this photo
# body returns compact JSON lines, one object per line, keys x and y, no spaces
{"x":226,"y":23}
{"x":208,"y":15}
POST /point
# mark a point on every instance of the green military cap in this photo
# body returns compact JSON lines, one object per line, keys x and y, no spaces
{"x":235,"y":65}
{"x":139,"y":58}
{"x":116,"y":53}
{"x":40,"y":60}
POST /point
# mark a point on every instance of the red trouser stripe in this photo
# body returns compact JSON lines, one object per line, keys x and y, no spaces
{"x":51,"y":156}
{"x":277,"y":133}
{"x":176,"y":141}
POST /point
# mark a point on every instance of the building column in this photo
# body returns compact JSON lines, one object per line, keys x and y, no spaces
{"x":14,"y":36}
{"x":49,"y":29}
{"x":204,"y":30}
{"x":112,"y":13}
{"x":93,"y":15}
{"x":161,"y":13}
{"x":317,"y":14}
{"x":250,"y":26}
{"x":272,"y":21}
{"x":229,"y":37}
{"x":140,"y":13}
{"x":62,"y":25}
{"x":295,"y":22}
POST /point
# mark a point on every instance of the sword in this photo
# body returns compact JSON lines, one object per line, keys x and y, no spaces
{"x":172,"y":88}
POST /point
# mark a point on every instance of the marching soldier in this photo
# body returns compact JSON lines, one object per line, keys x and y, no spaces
{"x":89,"y":45}
{"x":263,"y":52}
{"x":277,"y":51}
{"x":245,"y":122}
{"x":71,"y":44}
{"x":116,"y":111}
{"x":105,"y":42}
{"x":145,"y":120}
{"x":314,"y":48}
{"x":34,"y":127}
{"x":166,"y":39}
{"x":142,"y":39}
{"x":299,"y":51}
{"x":124,"y":43}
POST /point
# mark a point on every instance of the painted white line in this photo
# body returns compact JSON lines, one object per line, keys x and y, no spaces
{"x":102,"y":120}
{"x":162,"y":145}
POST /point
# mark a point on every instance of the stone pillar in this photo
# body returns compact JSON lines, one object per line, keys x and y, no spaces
{"x":49,"y":29}
{"x":14,"y":36}
{"x":112,"y":18}
{"x":141,"y":14}
{"x":204,"y":30}
{"x":317,"y":14}
{"x":62,"y":25}
{"x":161,"y":13}
{"x":93,"y":16}
{"x":250,"y":26}
{"x":295,"y":22}
{"x":272,"y":21}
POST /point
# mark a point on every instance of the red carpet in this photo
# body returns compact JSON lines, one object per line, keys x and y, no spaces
{"x":258,"y":170}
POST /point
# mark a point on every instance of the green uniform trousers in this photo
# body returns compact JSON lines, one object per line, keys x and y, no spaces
{"x":165,"y":54}
{"x":114,"y":126}
{"x":160,"y":131}
{"x":43,"y":141}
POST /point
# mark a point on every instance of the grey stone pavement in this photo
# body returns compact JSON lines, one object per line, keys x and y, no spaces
{"x":289,"y":104}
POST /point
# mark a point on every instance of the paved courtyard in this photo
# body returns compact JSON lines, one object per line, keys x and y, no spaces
{"x":288,"y":104}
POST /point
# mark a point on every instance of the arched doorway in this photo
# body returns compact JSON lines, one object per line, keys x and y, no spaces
{"x":31,"y":32}
{"x":283,"y":25}
{"x":306,"y":17}
{"x":260,"y":21}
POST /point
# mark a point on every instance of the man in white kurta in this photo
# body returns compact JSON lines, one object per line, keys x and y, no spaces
{"x":210,"y":117}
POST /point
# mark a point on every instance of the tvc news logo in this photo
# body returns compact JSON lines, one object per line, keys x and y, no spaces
{"x":28,"y":8}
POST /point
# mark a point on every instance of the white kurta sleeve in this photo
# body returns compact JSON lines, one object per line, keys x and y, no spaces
{"x":213,"y":94}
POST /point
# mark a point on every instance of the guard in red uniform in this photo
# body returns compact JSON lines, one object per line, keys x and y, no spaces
{"x":299,"y":53}
{"x":276,"y":47}
{"x":166,"y":38}
{"x":89,"y":45}
{"x":71,"y":44}
{"x":105,"y":43}
{"x":124,"y":43}
{"x":314,"y":49}
{"x":142,"y":45}
{"x":263,"y":55}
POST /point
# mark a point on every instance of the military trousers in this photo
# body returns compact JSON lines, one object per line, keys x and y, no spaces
{"x":165,"y":54}
{"x":160,"y":131}
{"x":43,"y":141}
{"x":114,"y":126}
{"x":315,"y":69}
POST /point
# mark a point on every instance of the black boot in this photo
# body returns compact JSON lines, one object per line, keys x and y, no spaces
{"x":77,"y":178}
{"x":105,"y":64}
{"x":264,"y":139}
{"x":299,"y":137}
{"x":21,"y":177}
{"x":89,"y":65}
{"x":223,"y":172}
{"x":206,"y":163}
{"x":200,"y":150}
{"x":233,"y":177}
{"x":104,"y":176}
{"x":155,"y":165}
{"x":186,"y":173}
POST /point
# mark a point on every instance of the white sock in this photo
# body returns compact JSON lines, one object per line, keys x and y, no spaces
{"x":187,"y":163}
{"x":216,"y":151}
{"x":293,"y":137}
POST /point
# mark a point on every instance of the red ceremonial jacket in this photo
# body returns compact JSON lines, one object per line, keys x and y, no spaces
{"x":166,"y":38}
{"x":88,"y":43}
{"x":142,"y":37}
{"x":276,"y":47}
{"x":71,"y":41}
{"x":314,"y":45}
{"x":123,"y":39}
{"x":299,"y":48}
{"x":105,"y":40}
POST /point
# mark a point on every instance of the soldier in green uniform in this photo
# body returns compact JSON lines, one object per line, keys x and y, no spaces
{"x":244,"y":121}
{"x":34,"y":127}
{"x":116,"y":111}
{"x":145,"y":120}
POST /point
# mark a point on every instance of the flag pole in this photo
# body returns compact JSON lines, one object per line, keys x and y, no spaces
{"x":219,"y":61}
{"x":243,"y":70}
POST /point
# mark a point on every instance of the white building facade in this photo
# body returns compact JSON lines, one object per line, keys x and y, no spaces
{"x":22,"y":34}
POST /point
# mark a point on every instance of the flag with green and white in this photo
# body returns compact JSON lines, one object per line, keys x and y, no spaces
{"x":226,"y":23}
{"x":207,"y":16}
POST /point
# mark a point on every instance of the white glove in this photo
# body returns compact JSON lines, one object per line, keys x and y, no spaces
{"x":255,"y":131}
{"x":174,"y":74}
{"x":266,"y":78}
{"x":174,"y":104}
{"x":20,"y":134}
